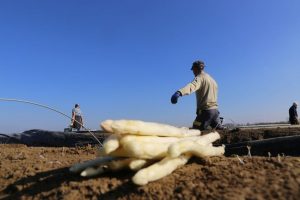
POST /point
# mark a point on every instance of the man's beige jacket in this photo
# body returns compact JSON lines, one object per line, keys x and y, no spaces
{"x":206,"y":90}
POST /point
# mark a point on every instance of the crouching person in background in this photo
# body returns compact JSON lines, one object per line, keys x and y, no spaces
{"x":293,"y":114}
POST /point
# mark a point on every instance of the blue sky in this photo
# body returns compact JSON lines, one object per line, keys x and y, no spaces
{"x":124,"y":59}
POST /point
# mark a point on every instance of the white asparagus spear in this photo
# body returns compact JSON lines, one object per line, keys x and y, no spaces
{"x":106,"y":125}
{"x":117,"y":165}
{"x":114,"y":165}
{"x":208,"y":138}
{"x":120,"y":152}
{"x":152,"y":139}
{"x":194,"y":148}
{"x":203,"y":140}
{"x":153,"y":147}
{"x":145,"y":150}
{"x":150,"y":147}
{"x":159,"y":169}
{"x":91,"y":163}
{"x":184,"y":146}
{"x":207,"y":151}
{"x":138,"y":164}
{"x":138,"y":151}
{"x":136,"y":127}
{"x":92,"y":171}
{"x":111,"y":143}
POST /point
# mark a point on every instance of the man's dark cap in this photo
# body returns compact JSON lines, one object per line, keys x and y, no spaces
{"x":199,"y":64}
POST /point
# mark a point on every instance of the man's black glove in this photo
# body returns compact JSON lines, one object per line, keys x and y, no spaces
{"x":175,"y":97}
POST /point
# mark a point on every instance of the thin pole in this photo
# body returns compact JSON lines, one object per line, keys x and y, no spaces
{"x":52,"y":109}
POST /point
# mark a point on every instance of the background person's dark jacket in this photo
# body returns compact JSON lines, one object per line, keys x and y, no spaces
{"x":293,"y":115}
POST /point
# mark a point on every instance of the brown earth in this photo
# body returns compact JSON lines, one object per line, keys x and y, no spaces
{"x":42,"y":173}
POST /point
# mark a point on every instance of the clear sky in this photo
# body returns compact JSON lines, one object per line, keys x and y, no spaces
{"x":125,"y":58}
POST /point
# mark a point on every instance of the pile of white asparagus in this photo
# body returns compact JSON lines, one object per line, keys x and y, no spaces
{"x":153,"y":150}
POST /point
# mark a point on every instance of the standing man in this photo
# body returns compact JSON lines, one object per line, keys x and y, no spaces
{"x":206,"y":90}
{"x":293,"y":114}
{"x":77,"y":119}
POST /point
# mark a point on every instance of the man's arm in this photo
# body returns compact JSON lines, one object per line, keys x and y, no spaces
{"x":188,"y":89}
{"x":191,"y":87}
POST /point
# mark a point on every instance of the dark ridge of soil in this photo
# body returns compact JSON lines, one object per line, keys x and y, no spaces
{"x":238,"y":135}
{"x":43,"y":138}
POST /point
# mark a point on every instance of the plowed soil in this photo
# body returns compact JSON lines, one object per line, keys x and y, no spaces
{"x":42,"y":173}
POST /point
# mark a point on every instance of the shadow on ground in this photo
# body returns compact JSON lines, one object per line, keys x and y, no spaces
{"x":44,"y":182}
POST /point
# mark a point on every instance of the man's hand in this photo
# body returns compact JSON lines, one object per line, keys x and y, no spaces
{"x":175,"y":97}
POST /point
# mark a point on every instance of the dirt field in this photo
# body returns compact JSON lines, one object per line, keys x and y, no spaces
{"x":42,"y":173}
